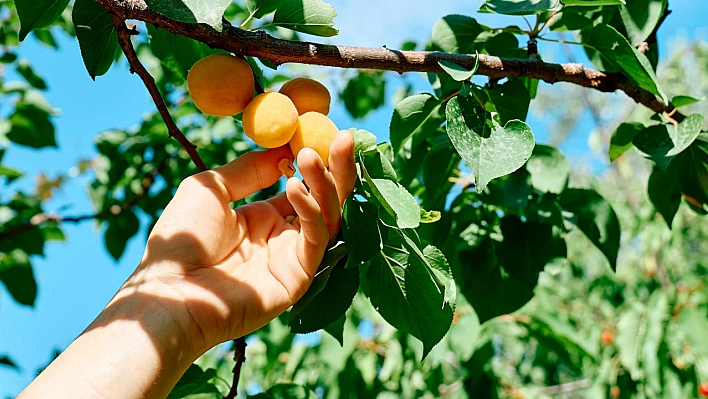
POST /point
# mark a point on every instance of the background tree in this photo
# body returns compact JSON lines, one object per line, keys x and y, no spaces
{"x":460,"y":189}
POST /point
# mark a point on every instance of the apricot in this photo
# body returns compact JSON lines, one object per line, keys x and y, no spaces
{"x":221,"y":84}
{"x":307,"y":95}
{"x":315,"y":131}
{"x":270,"y":120}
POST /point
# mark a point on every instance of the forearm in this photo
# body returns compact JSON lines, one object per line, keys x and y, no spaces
{"x":134,"y":349}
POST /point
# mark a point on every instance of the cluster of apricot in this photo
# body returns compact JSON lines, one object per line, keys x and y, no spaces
{"x":223,"y":85}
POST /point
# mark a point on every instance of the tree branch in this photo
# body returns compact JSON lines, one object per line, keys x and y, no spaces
{"x":240,"y":358}
{"x":260,"y":44}
{"x":124,"y":34}
{"x":42,"y":218}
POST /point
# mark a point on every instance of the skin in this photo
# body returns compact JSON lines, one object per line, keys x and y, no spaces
{"x":209,"y":274}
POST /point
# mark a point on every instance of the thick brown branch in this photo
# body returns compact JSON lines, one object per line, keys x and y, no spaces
{"x":124,"y":34}
{"x":260,"y":44}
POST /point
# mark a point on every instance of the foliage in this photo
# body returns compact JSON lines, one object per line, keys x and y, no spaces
{"x":461,"y":201}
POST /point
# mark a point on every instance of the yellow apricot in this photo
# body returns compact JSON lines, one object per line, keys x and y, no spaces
{"x":221,"y":84}
{"x":315,"y":131}
{"x":307,"y":95}
{"x":270,"y":120}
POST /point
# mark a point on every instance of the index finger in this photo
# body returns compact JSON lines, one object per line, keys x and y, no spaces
{"x":246,"y":174}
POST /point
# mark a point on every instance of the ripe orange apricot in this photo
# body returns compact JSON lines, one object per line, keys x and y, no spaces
{"x":607,"y":338}
{"x":315,"y":131}
{"x":307,"y":95}
{"x":221,"y":84}
{"x":270,"y":120}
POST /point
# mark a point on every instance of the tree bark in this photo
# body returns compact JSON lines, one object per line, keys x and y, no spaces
{"x":278,"y":51}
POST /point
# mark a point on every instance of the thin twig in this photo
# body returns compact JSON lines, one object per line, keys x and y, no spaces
{"x":42,"y":218}
{"x":278,"y":51}
{"x":124,"y":34}
{"x":240,"y":358}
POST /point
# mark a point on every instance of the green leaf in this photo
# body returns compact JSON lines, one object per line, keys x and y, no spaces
{"x":685,"y":133}
{"x":16,"y":273}
{"x":379,"y":167}
{"x":10,"y":173}
{"x":438,"y":166}
{"x":499,"y":277}
{"x":519,"y":7}
{"x":656,"y":325}
{"x":455,"y":34}
{"x":682,"y":101}
{"x":334,"y":254}
{"x":364,"y":94}
{"x":690,"y":170}
{"x":30,"y":241}
{"x":622,"y":55}
{"x":261,"y":8}
{"x":286,"y":391}
{"x":192,"y":11}
{"x":622,"y":138}
{"x":429,"y":216}
{"x":194,"y":381}
{"x":489,"y":149}
{"x":176,"y":52}
{"x":36,"y":14}
{"x":404,"y":291}
{"x":640,"y":17}
{"x":594,"y":216}
{"x":416,"y":114}
{"x":327,"y":306}
{"x":631,"y":328}
{"x":692,"y":321}
{"x":364,"y":142}
{"x":593,"y":3}
{"x":336,"y":329}
{"x":394,"y":198}
{"x":549,"y":169}
{"x":47,"y":37}
{"x":511,"y":100}
{"x":458,"y":72}
{"x":654,"y":142}
{"x":6,"y":361}
{"x":97,"y":36}
{"x":398,"y":201}
{"x":568,"y":20}
{"x":664,"y":193}
{"x":52,"y":232}
{"x":314,"y":17}
{"x":31,"y":127}
{"x":36,"y":81}
{"x":360,"y":227}
{"x":120,"y":229}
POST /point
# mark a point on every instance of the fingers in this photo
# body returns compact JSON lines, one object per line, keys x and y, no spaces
{"x":246,"y":174}
{"x":322,"y":188}
{"x":282,"y":205}
{"x":342,"y":165}
{"x":313,"y":238}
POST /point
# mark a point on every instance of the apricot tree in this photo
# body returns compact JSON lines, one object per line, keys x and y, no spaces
{"x":459,"y":212}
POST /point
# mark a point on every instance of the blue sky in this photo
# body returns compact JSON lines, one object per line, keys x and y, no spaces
{"x":77,"y":278}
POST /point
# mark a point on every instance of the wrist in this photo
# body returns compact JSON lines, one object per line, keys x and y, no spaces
{"x":162,"y":314}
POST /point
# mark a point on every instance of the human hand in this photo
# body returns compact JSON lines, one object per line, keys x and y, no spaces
{"x":223,"y":273}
